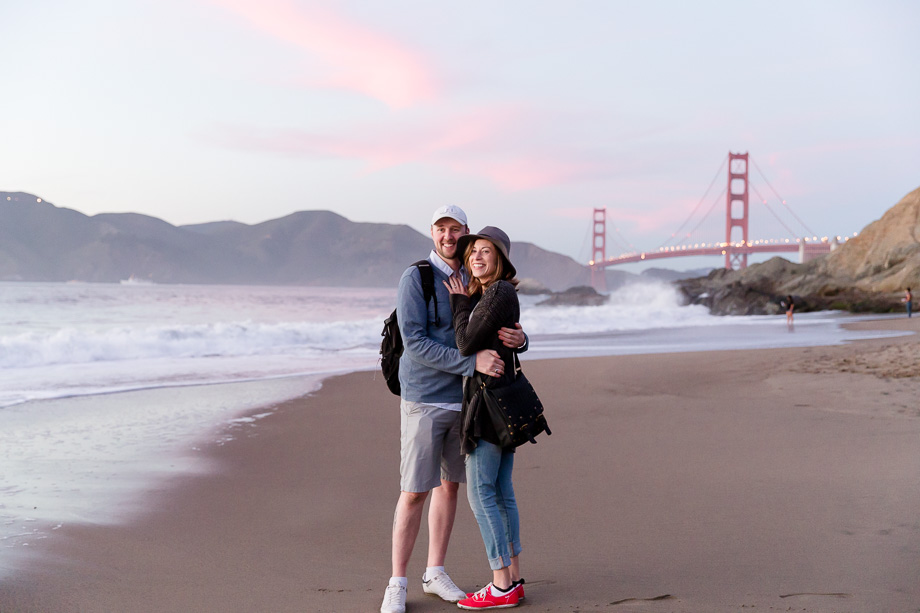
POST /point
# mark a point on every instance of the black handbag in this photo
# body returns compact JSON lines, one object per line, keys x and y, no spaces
{"x":515,"y":410}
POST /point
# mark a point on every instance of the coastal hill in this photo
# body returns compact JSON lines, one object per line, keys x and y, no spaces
{"x":42,"y":242}
{"x":885,"y":256}
{"x":868,"y":273}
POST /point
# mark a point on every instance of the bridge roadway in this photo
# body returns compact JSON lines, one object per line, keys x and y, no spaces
{"x":811,"y":250}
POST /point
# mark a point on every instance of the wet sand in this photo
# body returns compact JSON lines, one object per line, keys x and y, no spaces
{"x":785,"y":479}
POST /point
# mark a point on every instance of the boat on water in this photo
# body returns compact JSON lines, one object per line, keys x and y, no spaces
{"x":133,"y":280}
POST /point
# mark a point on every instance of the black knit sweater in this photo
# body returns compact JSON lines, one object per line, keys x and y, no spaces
{"x":476,"y":328}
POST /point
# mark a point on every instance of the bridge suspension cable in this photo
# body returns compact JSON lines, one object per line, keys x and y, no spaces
{"x":625,"y":245}
{"x":696,"y":208}
{"x":783,"y":200}
{"x":706,"y":216}
{"x":772,"y":212}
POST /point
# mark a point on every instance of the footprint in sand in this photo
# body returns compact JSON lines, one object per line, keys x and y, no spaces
{"x":626,"y":600}
{"x":831,"y":594}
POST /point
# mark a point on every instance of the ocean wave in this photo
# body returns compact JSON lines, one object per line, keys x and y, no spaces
{"x":73,"y":345}
{"x":639,"y":306}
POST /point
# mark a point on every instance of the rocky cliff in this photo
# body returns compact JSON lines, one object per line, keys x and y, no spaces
{"x":867,"y":274}
{"x":885,"y":257}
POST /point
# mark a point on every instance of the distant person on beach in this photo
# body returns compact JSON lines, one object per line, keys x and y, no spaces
{"x":789,"y":303}
{"x":490,"y":303}
{"x":908,"y":301}
{"x":431,"y":372}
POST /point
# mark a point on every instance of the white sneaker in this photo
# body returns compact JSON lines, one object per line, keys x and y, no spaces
{"x":441,"y":585}
{"x":394,"y":599}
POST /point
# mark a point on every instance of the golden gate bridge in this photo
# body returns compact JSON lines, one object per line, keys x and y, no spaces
{"x":737,"y":245}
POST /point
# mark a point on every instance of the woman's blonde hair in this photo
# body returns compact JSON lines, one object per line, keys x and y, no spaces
{"x":476,"y":286}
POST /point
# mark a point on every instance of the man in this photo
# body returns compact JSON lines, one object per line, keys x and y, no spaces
{"x":431,"y":372}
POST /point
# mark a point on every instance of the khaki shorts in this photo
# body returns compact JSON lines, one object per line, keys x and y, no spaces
{"x":429,"y":447}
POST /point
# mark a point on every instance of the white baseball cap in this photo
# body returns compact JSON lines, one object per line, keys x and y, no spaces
{"x":449,"y":210}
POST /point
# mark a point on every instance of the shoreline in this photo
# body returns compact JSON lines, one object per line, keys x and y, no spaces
{"x":89,"y":459}
{"x":646,"y":449}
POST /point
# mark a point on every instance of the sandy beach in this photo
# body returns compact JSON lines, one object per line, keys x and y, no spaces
{"x":774,"y":480}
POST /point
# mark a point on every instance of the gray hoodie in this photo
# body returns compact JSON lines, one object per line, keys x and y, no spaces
{"x":431,"y":368}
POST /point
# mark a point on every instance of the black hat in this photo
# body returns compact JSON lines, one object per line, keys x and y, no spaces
{"x":497,"y":237}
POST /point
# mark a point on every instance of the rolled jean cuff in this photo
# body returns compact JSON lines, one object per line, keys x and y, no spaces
{"x":503,"y":561}
{"x":499,"y":562}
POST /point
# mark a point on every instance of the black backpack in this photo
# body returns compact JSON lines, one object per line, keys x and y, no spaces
{"x":391,"y":347}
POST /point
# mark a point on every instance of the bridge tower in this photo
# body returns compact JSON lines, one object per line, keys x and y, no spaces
{"x":599,"y":250}
{"x":736,"y":214}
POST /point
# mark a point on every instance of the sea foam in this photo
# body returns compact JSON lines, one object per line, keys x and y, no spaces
{"x":73,"y":345}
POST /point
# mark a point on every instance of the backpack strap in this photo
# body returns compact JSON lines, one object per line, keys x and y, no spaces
{"x":427,"y":274}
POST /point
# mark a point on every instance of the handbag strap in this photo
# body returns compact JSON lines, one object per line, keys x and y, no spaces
{"x":517,"y":371}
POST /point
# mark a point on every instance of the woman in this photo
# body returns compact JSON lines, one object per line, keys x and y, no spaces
{"x":478,"y":313}
{"x":790,"y":309}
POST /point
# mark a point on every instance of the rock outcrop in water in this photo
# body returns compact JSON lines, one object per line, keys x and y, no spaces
{"x":580,"y":295}
{"x":867,"y":274}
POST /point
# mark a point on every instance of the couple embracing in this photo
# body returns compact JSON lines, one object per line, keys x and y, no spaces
{"x":468,"y":326}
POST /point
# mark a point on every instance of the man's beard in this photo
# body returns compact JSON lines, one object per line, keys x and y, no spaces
{"x":440,"y":250}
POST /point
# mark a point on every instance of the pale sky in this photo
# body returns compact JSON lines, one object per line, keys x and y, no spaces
{"x":526,"y":113}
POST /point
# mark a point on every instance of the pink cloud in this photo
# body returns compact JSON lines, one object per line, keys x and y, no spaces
{"x":485,"y":143}
{"x":380,"y":147}
{"x":357,"y":58}
{"x":526,"y":172}
{"x":480,"y":144}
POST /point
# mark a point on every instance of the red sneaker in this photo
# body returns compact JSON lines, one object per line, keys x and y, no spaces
{"x":485,"y":599}
{"x":519,"y":588}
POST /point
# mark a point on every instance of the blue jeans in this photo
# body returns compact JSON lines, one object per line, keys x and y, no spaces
{"x":491,"y":495}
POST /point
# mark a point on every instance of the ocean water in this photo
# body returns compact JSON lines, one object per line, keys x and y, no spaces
{"x":107,"y":388}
